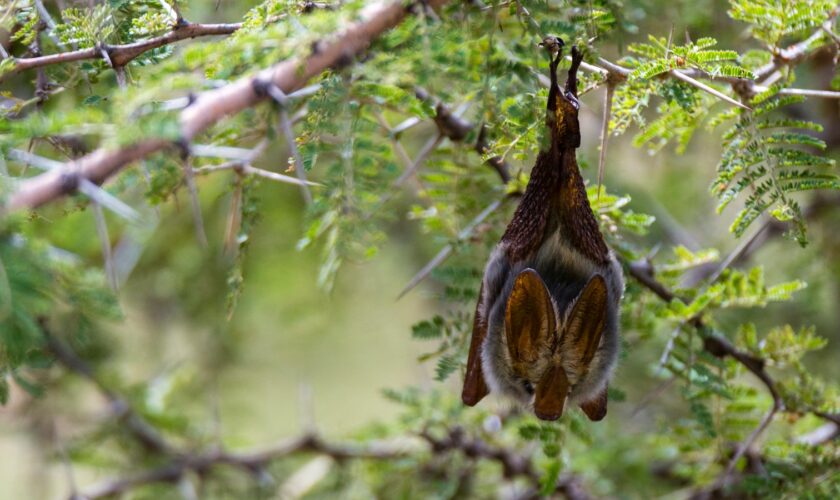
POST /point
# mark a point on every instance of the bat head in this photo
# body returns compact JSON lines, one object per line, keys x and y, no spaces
{"x":545,"y":351}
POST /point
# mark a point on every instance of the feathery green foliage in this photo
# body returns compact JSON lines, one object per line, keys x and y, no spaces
{"x":768,"y":160}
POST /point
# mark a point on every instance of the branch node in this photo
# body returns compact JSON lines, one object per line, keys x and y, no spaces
{"x":105,"y":51}
{"x":69,"y":181}
{"x":343,"y":61}
{"x":317,"y":47}
{"x":183,"y":146}
{"x":266,"y":88}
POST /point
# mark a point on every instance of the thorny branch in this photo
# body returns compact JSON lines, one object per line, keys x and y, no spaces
{"x":718,"y":346}
{"x":211,"y":106}
{"x":120,"y":55}
{"x":289,"y":75}
{"x":181,"y":462}
{"x":216,"y":104}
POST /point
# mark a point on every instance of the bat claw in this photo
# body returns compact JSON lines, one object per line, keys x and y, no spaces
{"x":554,"y":44}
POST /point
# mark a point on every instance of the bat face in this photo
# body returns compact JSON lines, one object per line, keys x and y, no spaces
{"x":540,"y":351}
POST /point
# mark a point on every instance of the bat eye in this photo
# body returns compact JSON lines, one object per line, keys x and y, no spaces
{"x":529,"y":388}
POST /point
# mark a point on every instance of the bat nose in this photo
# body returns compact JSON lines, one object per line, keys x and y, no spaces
{"x":548,"y":415}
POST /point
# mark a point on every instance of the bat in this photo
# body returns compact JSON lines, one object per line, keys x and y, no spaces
{"x":546,"y":324}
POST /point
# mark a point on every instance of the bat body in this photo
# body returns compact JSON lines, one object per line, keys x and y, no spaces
{"x":546,"y":324}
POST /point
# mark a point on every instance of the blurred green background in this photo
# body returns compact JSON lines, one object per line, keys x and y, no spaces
{"x":293,"y":354}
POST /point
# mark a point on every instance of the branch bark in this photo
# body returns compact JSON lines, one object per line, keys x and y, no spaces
{"x":121,"y":55}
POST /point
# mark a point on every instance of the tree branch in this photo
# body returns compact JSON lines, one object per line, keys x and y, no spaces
{"x":513,"y":464}
{"x":120,"y":55}
{"x":253,"y":462}
{"x":211,"y":106}
{"x":144,"y":432}
{"x":456,"y":129}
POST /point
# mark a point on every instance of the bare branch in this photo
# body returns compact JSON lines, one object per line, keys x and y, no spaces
{"x":282,"y":101}
{"x":424,"y":152}
{"x":195,"y":204}
{"x":823,"y":434}
{"x":456,"y":129}
{"x":105,"y":241}
{"x":86,"y":187}
{"x":720,"y":347}
{"x":513,"y":464}
{"x":796,"y":52}
{"x":827,"y":94}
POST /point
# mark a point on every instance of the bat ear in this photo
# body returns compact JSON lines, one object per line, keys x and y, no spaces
{"x":596,"y":408}
{"x":530,"y":320}
{"x":585,"y":323}
{"x":550,"y":396}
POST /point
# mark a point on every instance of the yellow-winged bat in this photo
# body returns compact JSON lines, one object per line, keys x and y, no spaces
{"x":546,"y":323}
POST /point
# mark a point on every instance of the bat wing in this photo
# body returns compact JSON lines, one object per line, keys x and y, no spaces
{"x":596,"y":408}
{"x":585,"y":327}
{"x":475,"y":387}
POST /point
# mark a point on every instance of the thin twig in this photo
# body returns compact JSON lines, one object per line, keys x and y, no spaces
{"x":282,"y":101}
{"x":679,"y":75}
{"x":234,"y":218}
{"x":107,"y":257}
{"x":195,"y":204}
{"x":86,"y":187}
{"x":605,"y":132}
{"x":247,"y":169}
{"x":827,"y":94}
{"x":796,"y":52}
{"x":44,"y":14}
{"x":424,"y":152}
{"x":444,"y":252}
